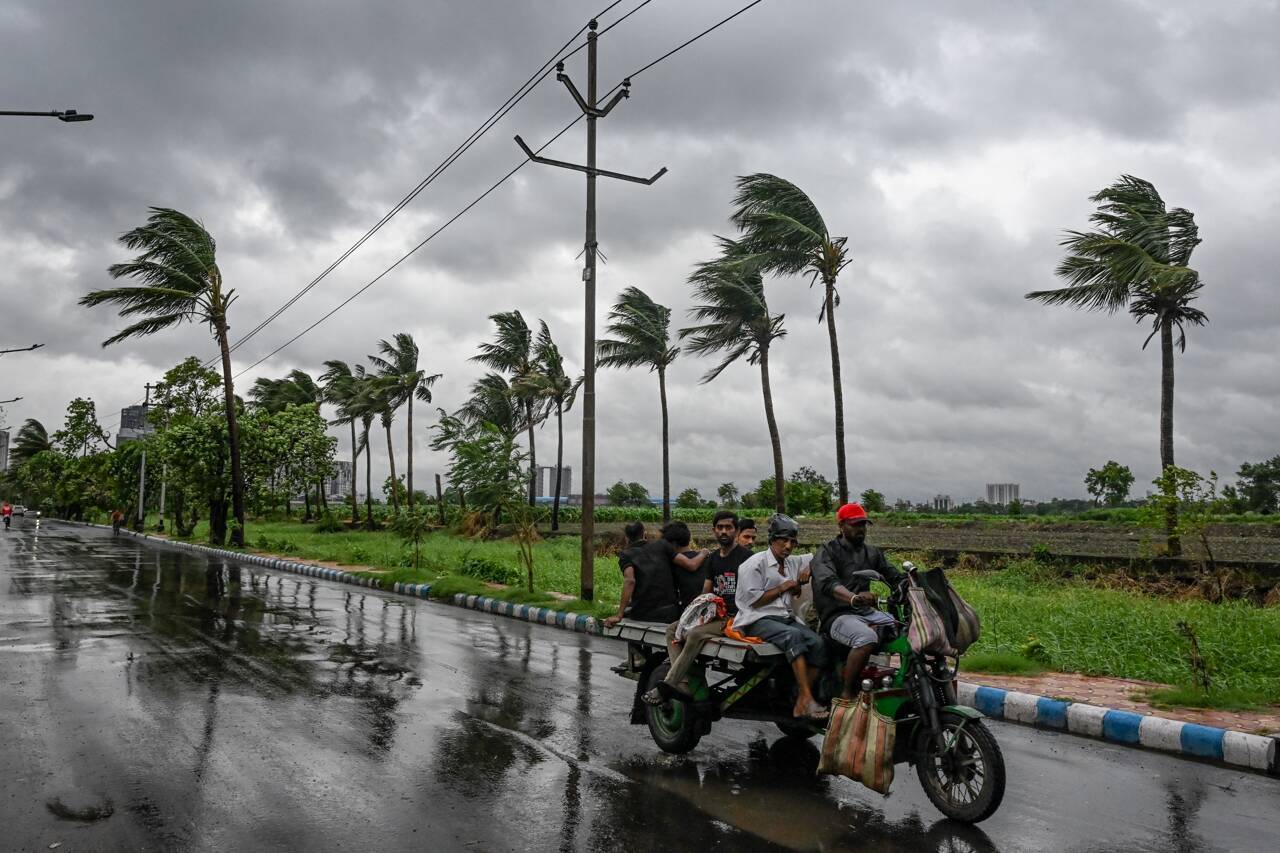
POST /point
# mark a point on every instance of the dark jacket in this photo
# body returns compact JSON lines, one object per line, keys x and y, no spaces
{"x":654,"y":598}
{"x":835,"y":564}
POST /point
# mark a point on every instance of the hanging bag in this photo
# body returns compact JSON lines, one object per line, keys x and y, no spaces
{"x":928,"y":631}
{"x":960,"y":621}
{"x":859,"y":743}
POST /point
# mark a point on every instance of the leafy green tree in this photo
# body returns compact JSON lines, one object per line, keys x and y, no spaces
{"x":1014,"y":507}
{"x":1109,"y":484}
{"x":1258,"y":489}
{"x":341,"y":391}
{"x":81,"y":433}
{"x":512,"y":352}
{"x":641,"y":330}
{"x":689,"y":499}
{"x":728,"y":494}
{"x":181,"y":283}
{"x":782,"y":231}
{"x":627,"y":494}
{"x":551,"y":385}
{"x":394,"y":489}
{"x":492,"y":402}
{"x":1137,"y":259}
{"x":736,"y":321}
{"x":413,"y":525}
{"x":406,"y":381}
{"x":485,"y":463}
{"x":807,"y":492}
{"x":872,"y":501}
{"x":1190,"y":498}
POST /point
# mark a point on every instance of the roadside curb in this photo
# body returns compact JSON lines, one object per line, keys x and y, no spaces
{"x":1259,"y":753}
{"x":1127,"y":728}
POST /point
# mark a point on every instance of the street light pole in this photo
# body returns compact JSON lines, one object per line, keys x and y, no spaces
{"x":61,"y":115}
{"x":142,"y":472}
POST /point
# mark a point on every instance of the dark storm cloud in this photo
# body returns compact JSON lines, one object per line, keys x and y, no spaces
{"x":951,"y":143}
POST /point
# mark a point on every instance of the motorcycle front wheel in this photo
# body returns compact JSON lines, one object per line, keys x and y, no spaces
{"x":965,"y":779}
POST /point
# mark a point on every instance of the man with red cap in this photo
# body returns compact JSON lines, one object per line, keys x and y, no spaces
{"x":845,"y":603}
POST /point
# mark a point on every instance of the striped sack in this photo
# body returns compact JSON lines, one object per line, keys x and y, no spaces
{"x":927,"y":632}
{"x":859,"y":743}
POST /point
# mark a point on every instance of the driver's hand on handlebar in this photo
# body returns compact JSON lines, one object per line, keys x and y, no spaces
{"x":866,"y":598}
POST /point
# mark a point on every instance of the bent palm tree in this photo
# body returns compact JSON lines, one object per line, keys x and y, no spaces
{"x":551,"y":384}
{"x":382,"y":396}
{"x":493,"y":402}
{"x":181,"y":283}
{"x":365,"y":405}
{"x":32,"y":438}
{"x":1137,"y":259}
{"x":512,"y":352}
{"x":642,"y":338}
{"x":341,"y":390}
{"x":407,"y":382}
{"x":783,"y":232}
{"x":738,"y":324}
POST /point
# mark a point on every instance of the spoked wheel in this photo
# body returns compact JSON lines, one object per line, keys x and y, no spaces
{"x":965,"y":780}
{"x":672,"y":723}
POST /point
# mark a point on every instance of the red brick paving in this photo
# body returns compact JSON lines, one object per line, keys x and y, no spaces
{"x":1126,"y":695}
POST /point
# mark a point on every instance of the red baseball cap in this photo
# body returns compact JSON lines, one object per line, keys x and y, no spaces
{"x":852,"y":512}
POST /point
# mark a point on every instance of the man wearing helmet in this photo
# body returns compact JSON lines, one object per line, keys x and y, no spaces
{"x":767,"y":586}
{"x":845,"y":603}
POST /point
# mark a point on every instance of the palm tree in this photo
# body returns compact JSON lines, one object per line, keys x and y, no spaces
{"x":1137,"y":259}
{"x":512,"y":353}
{"x":365,"y":405}
{"x":382,"y":396}
{"x":493,"y":402}
{"x":341,"y":390}
{"x":408,"y":382}
{"x":782,"y":228}
{"x":181,"y":283}
{"x":642,"y":338}
{"x":32,"y":438}
{"x":556,"y":389}
{"x":737,"y":323}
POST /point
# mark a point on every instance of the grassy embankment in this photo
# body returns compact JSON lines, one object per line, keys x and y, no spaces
{"x":1032,"y":619}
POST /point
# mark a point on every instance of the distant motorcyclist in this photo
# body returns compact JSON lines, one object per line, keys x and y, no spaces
{"x":7,"y":511}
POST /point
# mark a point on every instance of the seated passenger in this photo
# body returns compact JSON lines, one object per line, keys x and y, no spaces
{"x":747,"y":533}
{"x":721,"y":578}
{"x":845,"y":604}
{"x":767,"y":583}
{"x":648,"y":585}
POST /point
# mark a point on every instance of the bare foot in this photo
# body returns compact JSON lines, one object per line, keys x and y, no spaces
{"x":809,"y":710}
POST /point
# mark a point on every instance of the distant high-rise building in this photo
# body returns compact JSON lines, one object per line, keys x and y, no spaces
{"x":1002,"y":494}
{"x":339,"y":484}
{"x":545,"y":486}
{"x":133,"y":424}
{"x":942,"y":503}
{"x":4,"y":450}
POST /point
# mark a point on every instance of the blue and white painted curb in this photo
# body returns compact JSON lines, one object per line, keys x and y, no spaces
{"x":1239,"y":749}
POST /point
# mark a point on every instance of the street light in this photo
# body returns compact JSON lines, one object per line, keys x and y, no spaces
{"x":60,"y":115}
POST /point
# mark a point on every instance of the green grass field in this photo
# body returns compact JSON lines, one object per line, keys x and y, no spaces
{"x":1076,"y":627}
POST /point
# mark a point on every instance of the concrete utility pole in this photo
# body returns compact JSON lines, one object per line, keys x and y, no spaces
{"x":592,"y":112}
{"x":142,"y":472}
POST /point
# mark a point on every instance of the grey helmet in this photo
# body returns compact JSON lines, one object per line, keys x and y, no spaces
{"x":783,"y":527}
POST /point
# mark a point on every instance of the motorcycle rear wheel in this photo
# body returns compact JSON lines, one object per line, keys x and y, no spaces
{"x":966,"y":781}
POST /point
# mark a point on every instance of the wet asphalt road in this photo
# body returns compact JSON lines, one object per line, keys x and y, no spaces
{"x":155,"y":700}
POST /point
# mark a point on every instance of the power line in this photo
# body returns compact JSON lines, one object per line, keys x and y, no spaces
{"x":501,"y":180}
{"x":497,"y":115}
{"x":407,"y":254}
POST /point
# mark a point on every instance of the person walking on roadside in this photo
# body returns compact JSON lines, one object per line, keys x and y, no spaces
{"x":117,"y":519}
{"x":767,"y":586}
{"x":845,"y":603}
{"x":7,"y":511}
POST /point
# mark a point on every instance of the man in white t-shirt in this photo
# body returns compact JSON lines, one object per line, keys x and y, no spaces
{"x":767,"y":585}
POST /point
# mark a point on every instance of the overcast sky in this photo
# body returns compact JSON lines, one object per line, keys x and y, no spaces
{"x":952,"y":143}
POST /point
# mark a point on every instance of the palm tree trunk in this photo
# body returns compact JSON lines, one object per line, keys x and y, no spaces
{"x":409,"y":441}
{"x":1166,"y":429}
{"x":233,"y":434}
{"x":355,"y":457}
{"x":842,"y":475}
{"x":533,"y":455}
{"x":555,"y":504}
{"x":368,"y":483}
{"x":666,"y":447}
{"x":779,"y":485}
{"x":391,"y":458}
